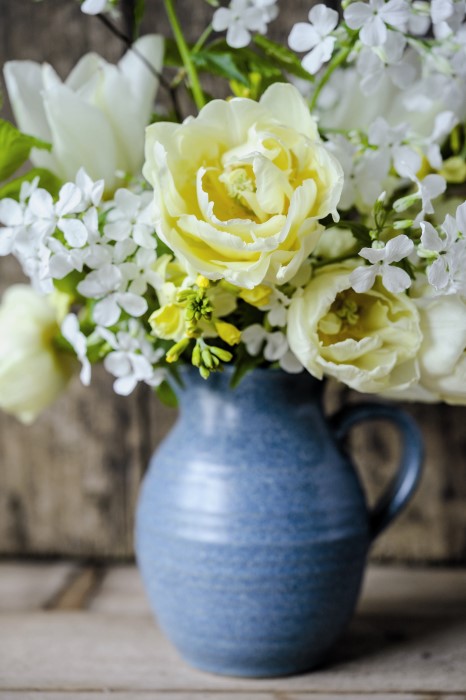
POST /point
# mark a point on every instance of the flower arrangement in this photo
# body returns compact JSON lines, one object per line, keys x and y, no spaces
{"x":313,"y":220}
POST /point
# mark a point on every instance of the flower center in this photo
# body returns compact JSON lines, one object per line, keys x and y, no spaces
{"x":342,"y":319}
{"x":237,"y":181}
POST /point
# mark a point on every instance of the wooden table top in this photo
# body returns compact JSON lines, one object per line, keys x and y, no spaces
{"x":83,"y":632}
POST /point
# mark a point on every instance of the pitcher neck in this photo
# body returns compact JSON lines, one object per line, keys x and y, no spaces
{"x":260,"y":388}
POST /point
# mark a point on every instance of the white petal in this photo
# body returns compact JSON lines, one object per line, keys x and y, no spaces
{"x":82,"y":136}
{"x":86,"y":372}
{"x":290,"y":363}
{"x":106,"y":312}
{"x":11,"y":213}
{"x":430,"y":240}
{"x":362,"y":278}
{"x":434,"y":185}
{"x":69,"y":199}
{"x":276,"y":346}
{"x":93,"y":7}
{"x":303,"y":37}
{"x":395,"y":13}
{"x":24,"y":84}
{"x":461,"y":218}
{"x":395,"y":279}
{"x":118,"y":230}
{"x":221,"y":19}
{"x":133,"y":305}
{"x":318,"y":56}
{"x":253,"y":337}
{"x":374,"y":255}
{"x":7,"y":239}
{"x":374,"y":32}
{"x":41,"y":205}
{"x":238,"y":36}
{"x":398,"y":248}
{"x":324,"y":19}
{"x":406,"y":160}
{"x":118,"y":364}
{"x":357,"y":14}
{"x":125,"y":385}
{"x":437,"y":274}
{"x":74,"y":231}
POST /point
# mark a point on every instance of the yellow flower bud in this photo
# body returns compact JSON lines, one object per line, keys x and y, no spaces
{"x":228,"y":332}
{"x":258,"y":296}
{"x":175,"y":352}
{"x":202,"y":282}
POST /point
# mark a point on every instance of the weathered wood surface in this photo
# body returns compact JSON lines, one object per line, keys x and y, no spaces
{"x":68,"y":485}
{"x":407,"y":641}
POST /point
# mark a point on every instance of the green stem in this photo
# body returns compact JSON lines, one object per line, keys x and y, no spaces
{"x":202,"y":39}
{"x":183,"y":48}
{"x":336,"y":61}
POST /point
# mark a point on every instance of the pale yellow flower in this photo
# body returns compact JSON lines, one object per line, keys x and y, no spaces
{"x":368,"y":341}
{"x":240,"y":189}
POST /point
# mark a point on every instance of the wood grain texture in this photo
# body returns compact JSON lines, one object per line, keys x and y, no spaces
{"x":407,"y":641}
{"x":203,"y":695}
{"x":68,"y":485}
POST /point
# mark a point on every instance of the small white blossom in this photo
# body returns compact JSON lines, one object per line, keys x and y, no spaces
{"x":13,"y":217}
{"x":243,"y":17}
{"x":129,"y":218}
{"x":91,"y":192}
{"x":391,"y":60}
{"x":364,"y":172}
{"x":314,"y":37}
{"x":394,"y":279}
{"x":447,"y":16}
{"x":108,"y":286}
{"x":447,"y":274}
{"x":373,"y":17}
{"x":131,"y":360}
{"x":392,"y":142}
{"x":72,"y":333}
{"x":275,"y":347}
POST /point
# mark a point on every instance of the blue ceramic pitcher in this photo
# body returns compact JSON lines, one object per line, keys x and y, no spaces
{"x":252,"y":527}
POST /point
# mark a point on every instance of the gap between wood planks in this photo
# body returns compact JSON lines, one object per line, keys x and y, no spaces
{"x":79,"y":589}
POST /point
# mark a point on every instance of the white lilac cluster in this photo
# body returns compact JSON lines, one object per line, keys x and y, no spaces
{"x":110,"y":244}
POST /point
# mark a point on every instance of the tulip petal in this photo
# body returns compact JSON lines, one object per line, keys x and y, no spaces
{"x":81,"y":137}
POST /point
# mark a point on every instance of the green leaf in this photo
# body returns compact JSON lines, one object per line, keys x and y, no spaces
{"x":15,"y":148}
{"x":219,"y":63}
{"x":166,"y":395}
{"x":282,"y":57}
{"x":359,"y":231}
{"x":47,"y":180}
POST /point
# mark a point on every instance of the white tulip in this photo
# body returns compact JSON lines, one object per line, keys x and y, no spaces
{"x":32,"y":372}
{"x":96,"y":118}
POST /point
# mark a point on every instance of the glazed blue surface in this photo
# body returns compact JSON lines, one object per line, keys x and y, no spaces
{"x":252,"y":528}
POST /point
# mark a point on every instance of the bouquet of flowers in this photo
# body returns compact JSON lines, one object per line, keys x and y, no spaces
{"x":313,"y":220}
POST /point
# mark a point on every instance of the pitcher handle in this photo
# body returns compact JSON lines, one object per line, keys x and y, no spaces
{"x":409,"y":472}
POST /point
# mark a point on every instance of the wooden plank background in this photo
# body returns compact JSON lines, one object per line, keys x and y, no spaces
{"x":69,"y":483}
